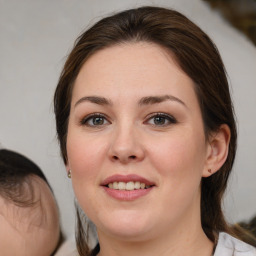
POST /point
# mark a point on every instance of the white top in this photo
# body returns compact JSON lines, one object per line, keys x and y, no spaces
{"x":226,"y":246}
{"x":230,"y":246}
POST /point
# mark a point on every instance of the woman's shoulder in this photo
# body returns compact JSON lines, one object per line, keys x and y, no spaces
{"x":230,"y":246}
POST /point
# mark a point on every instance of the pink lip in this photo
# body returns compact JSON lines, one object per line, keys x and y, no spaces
{"x":126,"y":195}
{"x":126,"y":178}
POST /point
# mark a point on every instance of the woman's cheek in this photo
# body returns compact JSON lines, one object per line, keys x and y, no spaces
{"x":85,"y":156}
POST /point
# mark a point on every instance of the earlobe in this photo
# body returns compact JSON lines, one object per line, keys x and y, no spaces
{"x":67,"y":168}
{"x":217,"y":151}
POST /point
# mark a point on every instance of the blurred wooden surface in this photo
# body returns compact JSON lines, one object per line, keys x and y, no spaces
{"x":240,"y":13}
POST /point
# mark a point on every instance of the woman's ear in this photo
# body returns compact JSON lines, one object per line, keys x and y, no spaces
{"x":67,"y":167}
{"x":217,"y":150}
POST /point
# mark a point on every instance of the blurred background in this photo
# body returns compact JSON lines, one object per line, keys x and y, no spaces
{"x":35,"y":38}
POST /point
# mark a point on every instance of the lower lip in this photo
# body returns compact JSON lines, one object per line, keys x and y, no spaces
{"x":127,"y":195}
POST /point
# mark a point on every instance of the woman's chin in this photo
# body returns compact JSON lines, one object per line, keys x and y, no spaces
{"x":125,"y":230}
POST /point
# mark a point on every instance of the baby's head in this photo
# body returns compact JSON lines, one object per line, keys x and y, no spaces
{"x":29,"y":217}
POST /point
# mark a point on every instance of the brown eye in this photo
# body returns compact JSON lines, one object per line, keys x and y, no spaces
{"x":98,"y":121}
{"x":160,"y":120}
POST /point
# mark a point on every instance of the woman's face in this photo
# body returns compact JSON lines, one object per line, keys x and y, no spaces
{"x":136,"y":143}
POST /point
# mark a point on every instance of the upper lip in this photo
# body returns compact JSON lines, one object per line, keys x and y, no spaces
{"x":126,"y":178}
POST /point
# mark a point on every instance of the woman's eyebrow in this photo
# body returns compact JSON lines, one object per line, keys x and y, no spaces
{"x":158,"y":99}
{"x":143,"y":101}
{"x":94,"y":99}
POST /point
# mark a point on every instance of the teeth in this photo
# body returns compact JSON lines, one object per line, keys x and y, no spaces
{"x":137,"y":185}
{"x":121,"y":185}
{"x":115,"y":185}
{"x":127,"y":185}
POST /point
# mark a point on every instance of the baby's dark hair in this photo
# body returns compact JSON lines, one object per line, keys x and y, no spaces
{"x":16,"y":181}
{"x":15,"y":178}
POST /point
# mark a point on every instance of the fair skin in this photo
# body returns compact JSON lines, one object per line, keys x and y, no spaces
{"x":30,"y":231}
{"x":134,"y":112}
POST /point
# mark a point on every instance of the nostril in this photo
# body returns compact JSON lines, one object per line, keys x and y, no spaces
{"x":123,"y":158}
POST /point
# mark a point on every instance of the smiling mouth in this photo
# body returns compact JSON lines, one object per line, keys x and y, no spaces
{"x":129,"y":186}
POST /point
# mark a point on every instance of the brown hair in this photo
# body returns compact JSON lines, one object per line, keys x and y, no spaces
{"x":197,"y":56}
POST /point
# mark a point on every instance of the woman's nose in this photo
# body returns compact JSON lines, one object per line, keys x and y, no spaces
{"x":126,"y":146}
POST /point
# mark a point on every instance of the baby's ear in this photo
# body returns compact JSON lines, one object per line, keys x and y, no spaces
{"x":217,"y":150}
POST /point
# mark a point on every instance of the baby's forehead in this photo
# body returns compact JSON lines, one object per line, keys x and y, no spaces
{"x":30,"y":206}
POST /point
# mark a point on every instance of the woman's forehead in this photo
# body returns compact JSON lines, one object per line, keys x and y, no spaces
{"x":123,"y":68}
{"x":132,"y":55}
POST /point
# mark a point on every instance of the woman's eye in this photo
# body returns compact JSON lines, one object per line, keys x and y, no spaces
{"x":95,"y":120}
{"x":161,"y":120}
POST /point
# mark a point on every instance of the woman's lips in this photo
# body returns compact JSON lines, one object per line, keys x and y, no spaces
{"x":127,"y":195}
{"x":127,"y":187}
